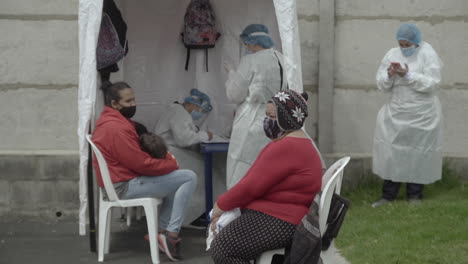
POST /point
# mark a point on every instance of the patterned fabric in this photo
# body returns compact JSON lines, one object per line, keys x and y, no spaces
{"x":199,"y":25}
{"x":108,"y":49}
{"x":248,"y":236}
{"x":291,"y":110}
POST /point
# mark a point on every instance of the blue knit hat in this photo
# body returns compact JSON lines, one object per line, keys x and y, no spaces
{"x":257,"y":34}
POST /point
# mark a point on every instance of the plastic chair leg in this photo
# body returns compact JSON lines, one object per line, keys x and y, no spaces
{"x":139,"y":213}
{"x":129,"y":215}
{"x":103,"y":223}
{"x":108,"y":231}
{"x":151,"y":210}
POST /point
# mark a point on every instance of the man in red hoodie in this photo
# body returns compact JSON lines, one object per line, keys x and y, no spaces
{"x":134,"y":173}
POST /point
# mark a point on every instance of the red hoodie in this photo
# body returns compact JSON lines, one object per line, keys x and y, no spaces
{"x":116,"y":138}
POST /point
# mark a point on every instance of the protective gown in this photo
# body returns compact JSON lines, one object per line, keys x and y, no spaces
{"x":408,"y":134}
{"x":251,"y":86}
{"x":182,"y":137}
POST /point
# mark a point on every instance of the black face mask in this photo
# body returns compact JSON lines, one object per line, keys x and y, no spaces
{"x":271,"y":128}
{"x":128,"y":112}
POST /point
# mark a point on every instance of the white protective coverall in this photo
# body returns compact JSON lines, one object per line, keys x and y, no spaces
{"x":408,"y":133}
{"x":256,"y":80}
{"x":181,"y":135}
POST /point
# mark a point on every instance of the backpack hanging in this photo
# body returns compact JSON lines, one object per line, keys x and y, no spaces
{"x":199,"y":28}
{"x":108,"y":49}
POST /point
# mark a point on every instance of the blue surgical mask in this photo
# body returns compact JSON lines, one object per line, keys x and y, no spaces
{"x":196,"y":115}
{"x":408,"y":51}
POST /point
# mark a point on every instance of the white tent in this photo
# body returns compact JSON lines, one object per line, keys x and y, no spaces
{"x":154,"y":66}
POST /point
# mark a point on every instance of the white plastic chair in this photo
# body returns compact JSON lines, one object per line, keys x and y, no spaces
{"x":150,"y":206}
{"x":333,"y":178}
{"x":329,"y":173}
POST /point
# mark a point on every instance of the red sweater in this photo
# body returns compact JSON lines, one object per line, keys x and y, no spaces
{"x":282,"y":182}
{"x":116,"y":138}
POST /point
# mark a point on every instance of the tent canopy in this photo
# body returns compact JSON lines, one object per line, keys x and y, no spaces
{"x":154,"y":65}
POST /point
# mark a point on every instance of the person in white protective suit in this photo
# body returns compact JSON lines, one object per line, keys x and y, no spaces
{"x":176,"y":126}
{"x":408,"y":134}
{"x":259,"y":76}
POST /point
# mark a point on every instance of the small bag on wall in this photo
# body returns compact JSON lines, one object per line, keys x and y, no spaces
{"x":108,"y":50}
{"x":199,"y":28}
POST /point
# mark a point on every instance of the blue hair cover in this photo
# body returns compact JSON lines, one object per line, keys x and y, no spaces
{"x":409,"y":32}
{"x":198,"y":98}
{"x":257,"y":34}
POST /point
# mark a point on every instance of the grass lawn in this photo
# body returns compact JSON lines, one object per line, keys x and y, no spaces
{"x":435,"y":231}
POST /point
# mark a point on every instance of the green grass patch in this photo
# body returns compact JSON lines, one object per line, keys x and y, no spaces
{"x":435,"y":231}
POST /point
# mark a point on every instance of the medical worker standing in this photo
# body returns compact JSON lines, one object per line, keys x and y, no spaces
{"x":257,"y":79}
{"x":176,"y":126}
{"x":408,"y":134}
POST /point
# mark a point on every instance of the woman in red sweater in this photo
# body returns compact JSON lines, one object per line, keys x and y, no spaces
{"x":276,"y":192}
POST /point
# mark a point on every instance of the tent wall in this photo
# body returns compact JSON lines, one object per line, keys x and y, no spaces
{"x":154,"y":66}
{"x":89,"y":23}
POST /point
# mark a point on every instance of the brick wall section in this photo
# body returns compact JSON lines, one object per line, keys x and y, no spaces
{"x":38,"y":102}
{"x":39,"y":185}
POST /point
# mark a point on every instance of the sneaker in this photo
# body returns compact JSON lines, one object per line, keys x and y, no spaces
{"x":170,"y":246}
{"x":199,"y":223}
{"x":161,"y":249}
{"x":380,"y":202}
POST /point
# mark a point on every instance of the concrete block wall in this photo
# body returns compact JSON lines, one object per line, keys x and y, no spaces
{"x":39,"y":185}
{"x":364,"y":31}
{"x":38,"y":102}
{"x":308,"y":20}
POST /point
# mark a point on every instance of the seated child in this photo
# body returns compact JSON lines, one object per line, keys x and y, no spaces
{"x":150,"y":142}
{"x":153,"y":145}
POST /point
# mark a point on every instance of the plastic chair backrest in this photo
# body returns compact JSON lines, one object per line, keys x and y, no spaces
{"x":327,"y":193}
{"x":110,"y":191}
{"x":341,"y":163}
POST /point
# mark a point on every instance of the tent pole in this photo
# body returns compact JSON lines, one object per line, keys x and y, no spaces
{"x":92,"y":223}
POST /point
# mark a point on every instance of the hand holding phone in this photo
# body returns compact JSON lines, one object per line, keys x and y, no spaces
{"x":396,"y":65}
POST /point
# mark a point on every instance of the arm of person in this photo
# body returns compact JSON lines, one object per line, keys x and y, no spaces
{"x":429,"y":78}
{"x":184,"y":131}
{"x":237,"y":85}
{"x":266,"y":172}
{"x":384,"y":82}
{"x":129,"y":154}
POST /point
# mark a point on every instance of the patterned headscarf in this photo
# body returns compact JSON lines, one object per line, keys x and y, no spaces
{"x":291,"y":110}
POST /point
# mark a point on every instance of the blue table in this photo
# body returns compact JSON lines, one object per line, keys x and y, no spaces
{"x":208,"y":149}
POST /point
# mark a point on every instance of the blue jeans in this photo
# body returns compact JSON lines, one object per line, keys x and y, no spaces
{"x":175,"y":189}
